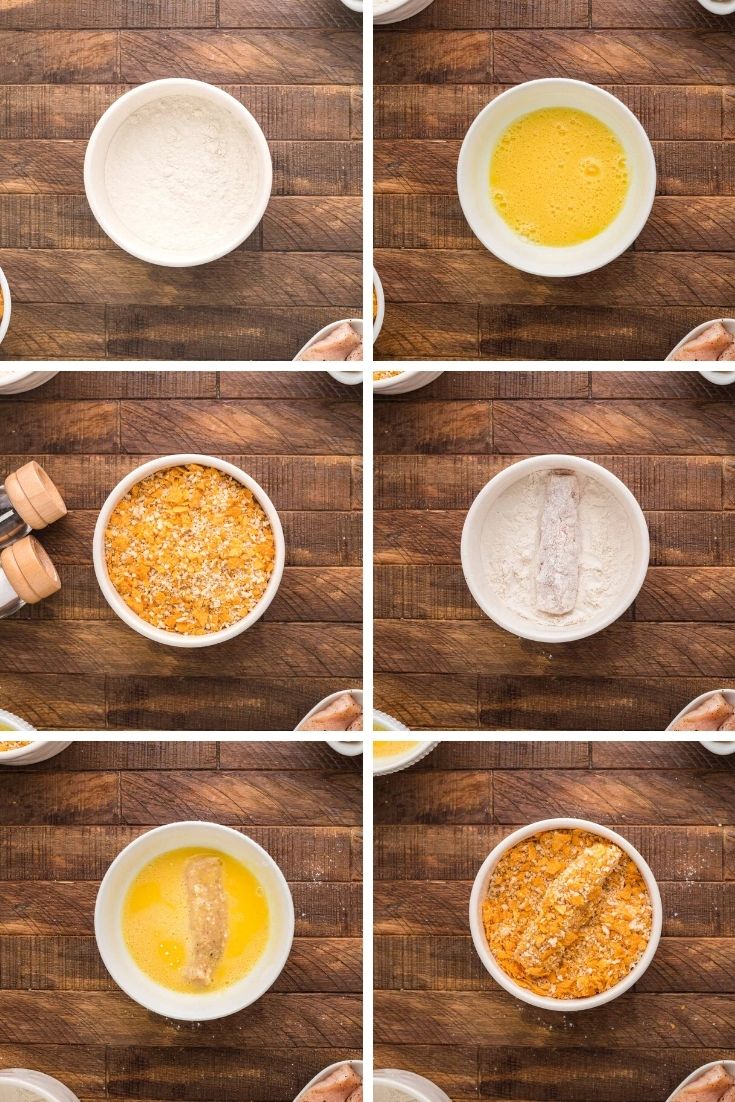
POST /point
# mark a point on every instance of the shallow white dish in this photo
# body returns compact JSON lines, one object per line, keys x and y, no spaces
{"x":729,"y":1065}
{"x":717,"y":746}
{"x":356,"y":693}
{"x":380,"y":311}
{"x":415,"y":1087}
{"x":411,"y":379}
{"x":7,"y":305}
{"x":37,"y":750}
{"x":345,"y":748}
{"x":720,"y":377}
{"x":397,"y":10}
{"x":349,"y":378}
{"x":19,"y":380}
{"x":473,"y":564}
{"x":719,"y":7}
{"x":356,"y":324}
{"x":42,"y":1086}
{"x":200,"y":1006}
{"x":473,"y":172}
{"x":479,"y":893}
{"x":400,"y":762}
{"x":118,"y":605}
{"x":96,"y":157}
{"x":356,"y":1065}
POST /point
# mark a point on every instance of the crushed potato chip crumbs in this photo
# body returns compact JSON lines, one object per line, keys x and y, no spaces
{"x":568,"y":914}
{"x":378,"y":375}
{"x":5,"y":746}
{"x":190,"y":550}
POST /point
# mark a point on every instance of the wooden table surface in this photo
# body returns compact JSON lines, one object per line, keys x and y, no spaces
{"x":296,"y":66}
{"x":439,"y":1013}
{"x":440,"y":662}
{"x":670,"y":61}
{"x":61,"y":824}
{"x":71,"y":663}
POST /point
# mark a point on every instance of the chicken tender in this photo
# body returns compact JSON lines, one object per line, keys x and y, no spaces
{"x":337,"y":716}
{"x":337,"y":345}
{"x":708,"y":1087}
{"x":557,"y":574}
{"x":708,"y":716}
{"x":207,"y":905}
{"x":338,"y":1086}
{"x":709,"y":345}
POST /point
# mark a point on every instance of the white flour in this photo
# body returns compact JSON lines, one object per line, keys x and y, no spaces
{"x":182,"y":174}
{"x":510,"y":539}
{"x":17,"y":1094}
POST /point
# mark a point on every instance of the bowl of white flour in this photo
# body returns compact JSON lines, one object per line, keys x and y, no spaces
{"x":22,"y":1085}
{"x":555,"y":548}
{"x":178,"y":172}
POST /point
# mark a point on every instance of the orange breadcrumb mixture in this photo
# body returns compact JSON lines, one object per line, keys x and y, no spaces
{"x":567,"y":915}
{"x":190,"y":549}
{"x":377,"y":375}
{"x":13,"y":745}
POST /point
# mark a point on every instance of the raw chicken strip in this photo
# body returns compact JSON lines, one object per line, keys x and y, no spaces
{"x":357,"y":354}
{"x":708,"y":716}
{"x":336,"y":716}
{"x":707,"y":346}
{"x":557,"y":574}
{"x":729,"y":724}
{"x":356,"y":724}
{"x":707,"y":1088}
{"x":729,"y":353}
{"x":356,"y":1095}
{"x":337,"y":345}
{"x":729,"y":1096}
{"x":336,"y":1087}
{"x":207,"y":904}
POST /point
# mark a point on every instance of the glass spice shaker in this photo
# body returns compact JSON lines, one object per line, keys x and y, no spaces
{"x":27,"y":575}
{"x":29,"y":501}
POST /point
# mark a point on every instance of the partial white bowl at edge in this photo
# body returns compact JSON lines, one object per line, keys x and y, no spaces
{"x":716,"y":746}
{"x":729,"y":1065}
{"x":473,"y":564}
{"x":396,"y":764}
{"x":96,"y":158}
{"x":108,"y":926}
{"x":356,"y":1065}
{"x":479,"y":894}
{"x":413,"y":378}
{"x":473,"y":172}
{"x":720,"y":378}
{"x":414,"y":1087}
{"x":6,"y":307}
{"x":356,"y":693}
{"x":397,"y":10}
{"x":356,"y":324}
{"x":118,"y":605}
{"x":380,"y":311}
{"x":41,"y":1086}
{"x":37,"y":749}
{"x":719,"y":7}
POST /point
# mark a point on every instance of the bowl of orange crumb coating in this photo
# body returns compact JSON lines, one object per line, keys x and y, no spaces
{"x":565,"y":914}
{"x":188,"y":550}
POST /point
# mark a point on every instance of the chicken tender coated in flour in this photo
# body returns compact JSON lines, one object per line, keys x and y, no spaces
{"x":207,"y":905}
{"x":557,"y":574}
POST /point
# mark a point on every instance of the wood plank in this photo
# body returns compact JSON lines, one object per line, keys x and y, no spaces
{"x":432,"y":57}
{"x":251,"y":57}
{"x":82,"y":1067}
{"x":290,"y":14}
{"x":668,"y":383}
{"x":56,"y":797}
{"x":622,"y":650}
{"x":453,"y":481}
{"x":89,"y":426}
{"x":655,"y":755}
{"x":288,"y":383}
{"x":450,"y":1067}
{"x":55,"y":702}
{"x":419,"y":701}
{"x":112,"y":1019}
{"x":432,"y":427}
{"x":416,"y":332}
{"x":657,"y":13}
{"x":483,"y":14}
{"x":686,"y":594}
{"x":73,"y":385}
{"x":289,"y":754}
{"x":58,"y":57}
{"x":68,"y":14}
{"x":55,"y":331}
{"x":456,"y":797}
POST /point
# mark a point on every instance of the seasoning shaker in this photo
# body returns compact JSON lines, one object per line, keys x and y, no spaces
{"x":29,"y":501}
{"x":27,"y":576}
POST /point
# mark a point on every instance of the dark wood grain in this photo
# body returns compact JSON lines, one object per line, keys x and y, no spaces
{"x":297,"y":68}
{"x":299,"y":435}
{"x":669,"y":61}
{"x":440,"y":1013}
{"x":62,"y":828}
{"x":440,"y":662}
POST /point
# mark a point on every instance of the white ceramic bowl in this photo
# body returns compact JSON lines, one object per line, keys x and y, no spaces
{"x":473,"y":564}
{"x":37,"y":750}
{"x":356,"y":693}
{"x":349,"y":378}
{"x":96,"y":158}
{"x":356,"y":1065}
{"x":345,"y":748}
{"x":717,"y":746}
{"x":6,"y":307}
{"x":41,"y":1086}
{"x":408,"y":380}
{"x":397,"y":10}
{"x":473,"y":174}
{"x":388,"y":723}
{"x":380,"y":311}
{"x":415,"y":1088}
{"x":356,"y":324}
{"x":200,"y":1006}
{"x":118,"y":605}
{"x":729,"y":1065}
{"x":354,"y":5}
{"x":719,"y":377}
{"x":719,"y":7}
{"x":19,"y":380}
{"x":399,"y":762}
{"x":479,"y":894}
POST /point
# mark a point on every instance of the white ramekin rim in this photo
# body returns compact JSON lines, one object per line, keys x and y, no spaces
{"x":113,"y":598}
{"x":475,"y":521}
{"x":356,"y":693}
{"x":44,"y":1086}
{"x":391,"y":723}
{"x":350,"y":377}
{"x":689,"y":365}
{"x":18,"y":725}
{"x":397,"y":10}
{"x":356,"y":324}
{"x":621,"y":242}
{"x":479,"y":893}
{"x":356,"y":1065}
{"x":729,"y":1065}
{"x":380,"y":312}
{"x":7,"y":305}
{"x":718,"y":8}
{"x":189,"y":1008}
{"x":115,"y":115}
{"x":405,"y":761}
